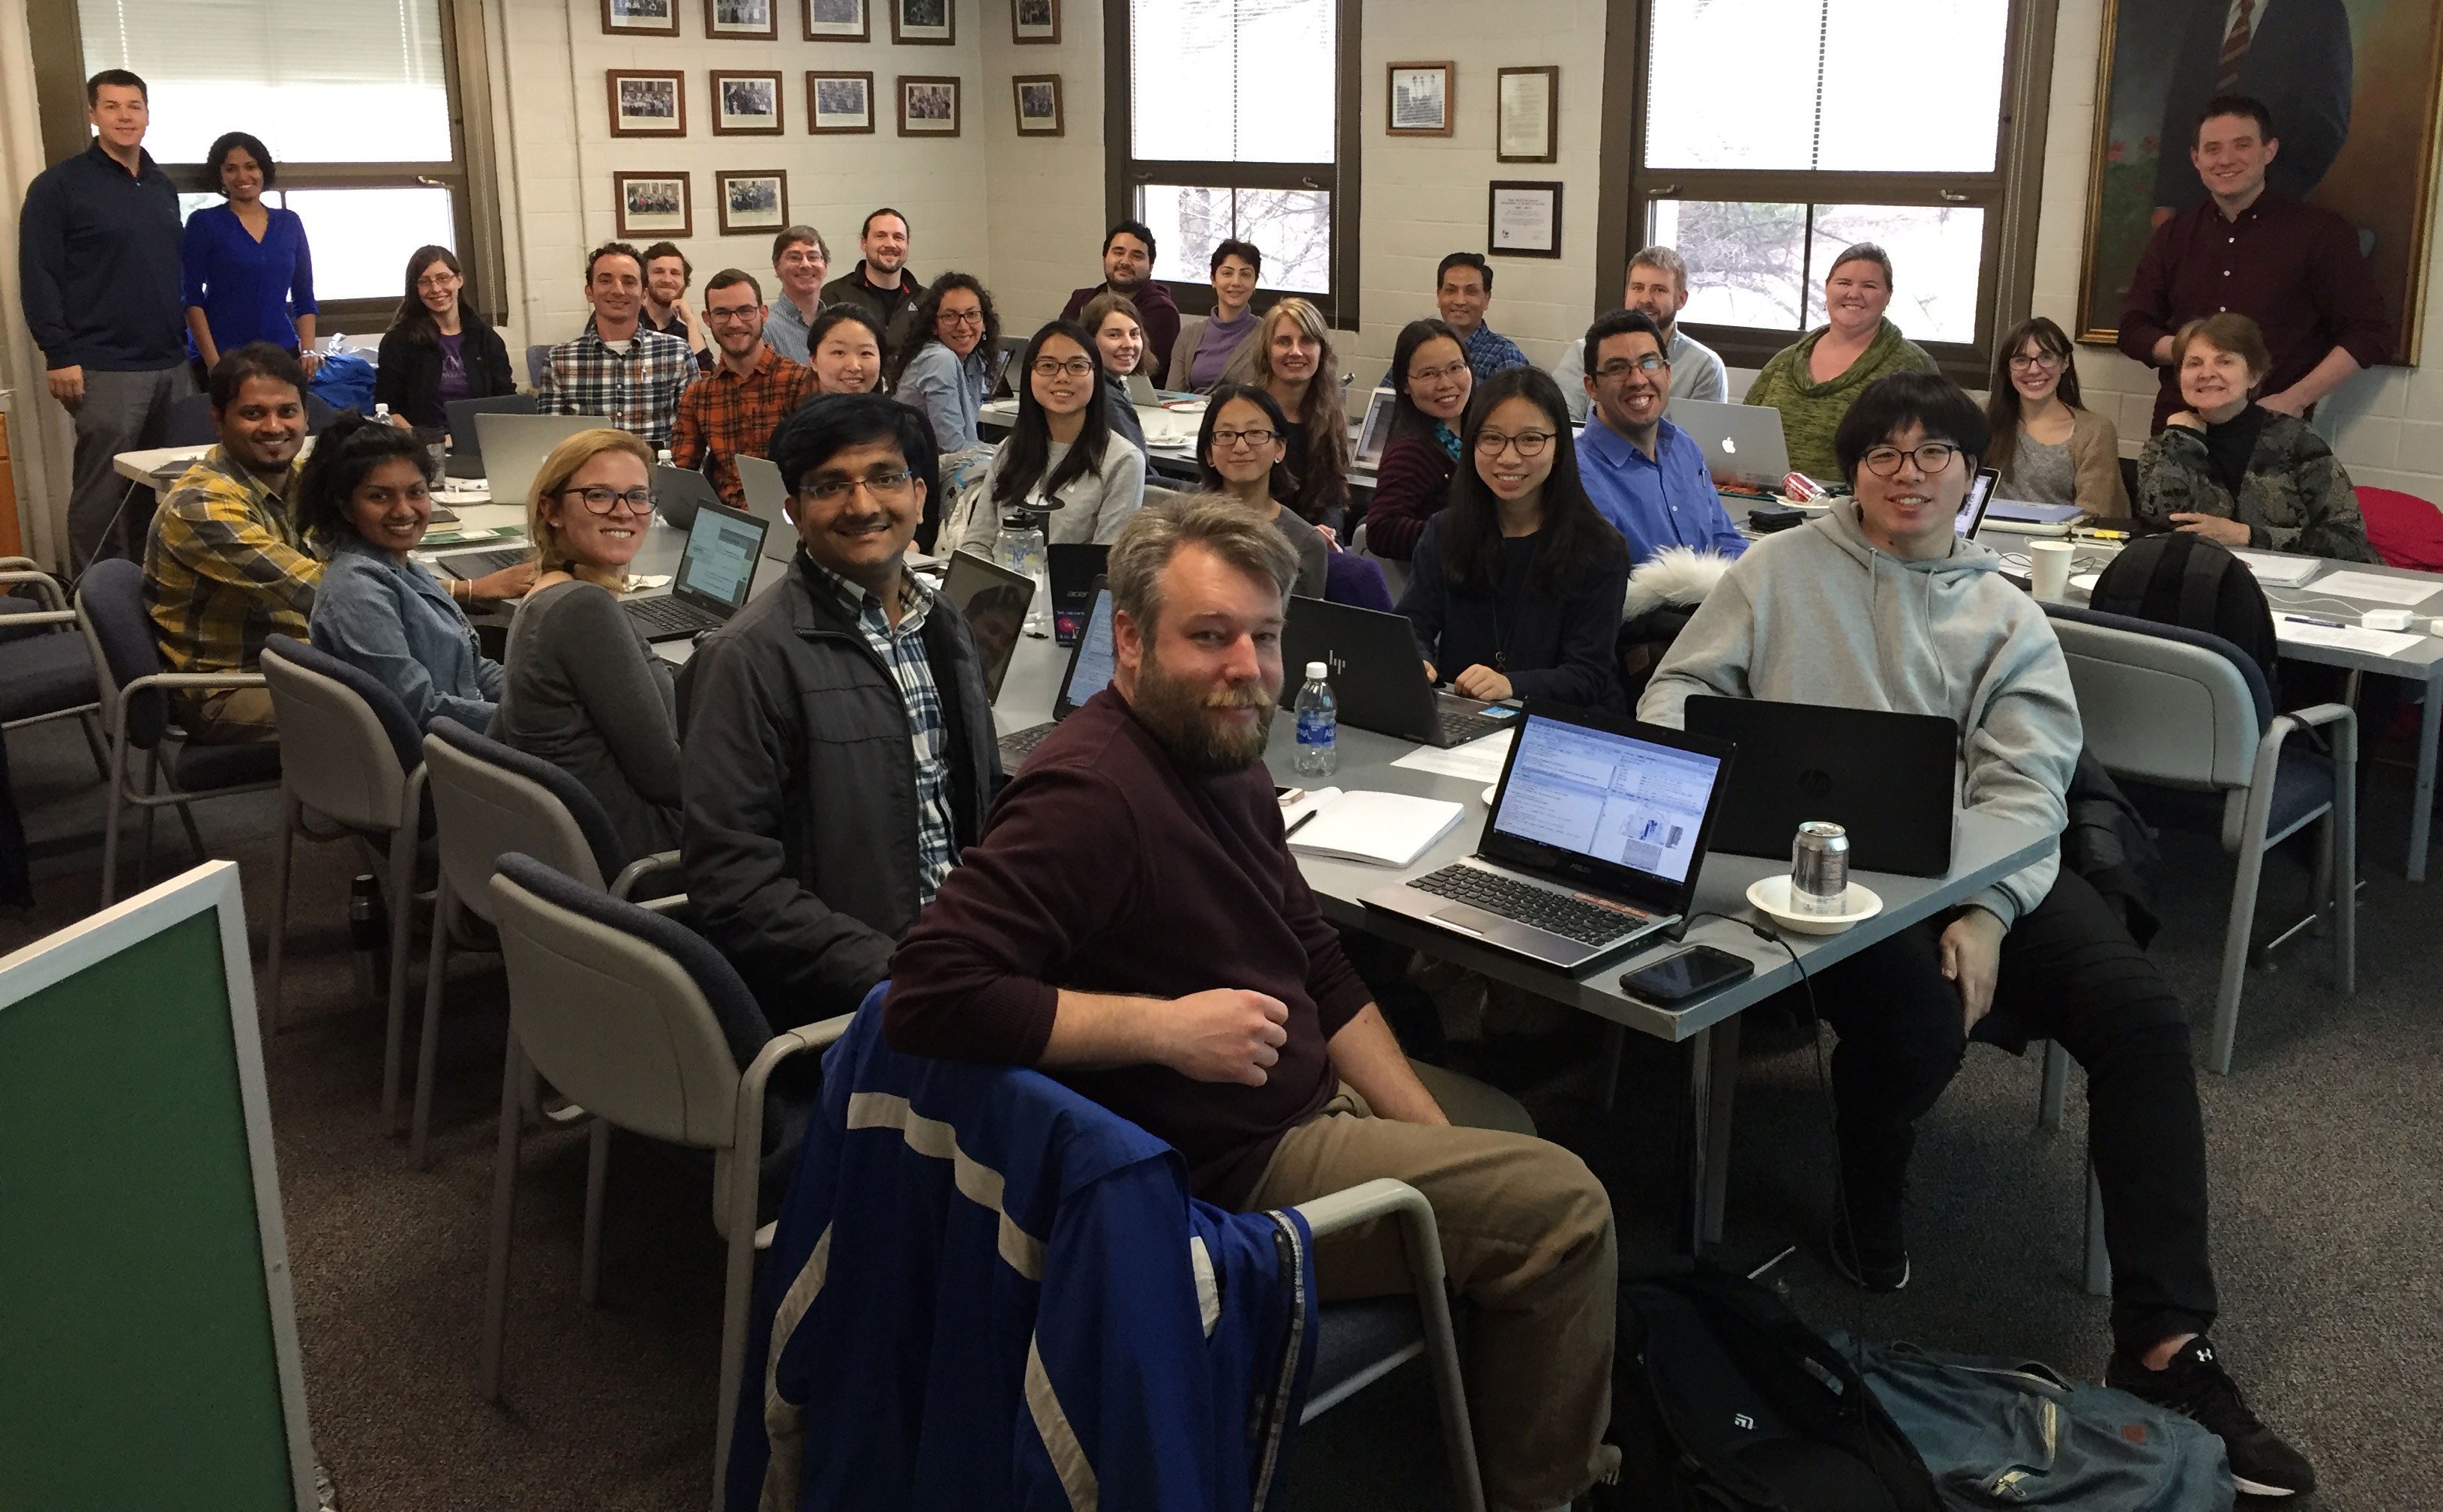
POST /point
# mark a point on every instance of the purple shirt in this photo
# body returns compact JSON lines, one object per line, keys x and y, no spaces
{"x":453,"y":369}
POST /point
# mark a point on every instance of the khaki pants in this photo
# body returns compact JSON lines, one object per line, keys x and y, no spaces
{"x":1527,"y":1247}
{"x":237,"y":717}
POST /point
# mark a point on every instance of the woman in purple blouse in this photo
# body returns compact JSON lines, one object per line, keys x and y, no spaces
{"x":249,"y":275}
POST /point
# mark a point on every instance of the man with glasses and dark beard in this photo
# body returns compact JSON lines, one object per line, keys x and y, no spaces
{"x":1132,"y":922}
{"x":839,"y":740}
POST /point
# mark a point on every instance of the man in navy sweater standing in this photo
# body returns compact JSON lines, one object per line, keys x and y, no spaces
{"x":99,"y":247}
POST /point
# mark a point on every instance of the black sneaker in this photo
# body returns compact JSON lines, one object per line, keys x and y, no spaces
{"x":1868,"y":1245}
{"x":2195,"y":1386}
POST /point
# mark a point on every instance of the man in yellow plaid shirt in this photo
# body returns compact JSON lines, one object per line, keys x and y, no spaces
{"x":225,"y":567}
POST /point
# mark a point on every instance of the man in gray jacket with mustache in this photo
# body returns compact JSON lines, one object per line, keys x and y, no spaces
{"x":1878,"y":605}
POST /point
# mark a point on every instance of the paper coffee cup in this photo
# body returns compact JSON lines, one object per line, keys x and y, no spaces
{"x":2049,"y":569}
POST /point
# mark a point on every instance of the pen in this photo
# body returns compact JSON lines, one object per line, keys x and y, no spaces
{"x":2311,"y":619}
{"x":1300,"y":822}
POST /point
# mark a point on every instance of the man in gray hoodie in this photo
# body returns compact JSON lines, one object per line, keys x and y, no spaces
{"x":1877,"y":605}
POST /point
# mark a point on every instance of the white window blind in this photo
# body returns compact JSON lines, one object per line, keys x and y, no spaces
{"x":1233,"y":81}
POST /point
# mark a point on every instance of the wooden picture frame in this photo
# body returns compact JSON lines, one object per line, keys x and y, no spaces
{"x":924,"y":23}
{"x":833,"y":26}
{"x":641,"y":18}
{"x":739,"y":196}
{"x":1038,"y":90}
{"x":1527,"y":115}
{"x":1034,"y":22}
{"x":773,"y":124}
{"x":639,"y":219}
{"x":929,"y":88}
{"x":627,"y":116}
{"x":1419,"y":98}
{"x":734,"y":27}
{"x":1522,"y":218}
{"x":837,"y":122}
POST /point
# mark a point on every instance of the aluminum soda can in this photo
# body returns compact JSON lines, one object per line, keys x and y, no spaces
{"x":1819,"y":869}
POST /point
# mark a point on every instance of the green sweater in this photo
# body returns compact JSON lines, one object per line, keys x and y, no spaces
{"x":1811,"y":412}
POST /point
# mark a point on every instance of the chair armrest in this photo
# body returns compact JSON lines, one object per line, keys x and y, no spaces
{"x":193,"y":681}
{"x":49,"y":585}
{"x":668,"y":904}
{"x":824,"y":1035}
{"x":2345,"y":738}
{"x":736,"y":1207}
{"x":1362,"y":1203}
{"x":640,"y":868}
{"x":40,"y":617}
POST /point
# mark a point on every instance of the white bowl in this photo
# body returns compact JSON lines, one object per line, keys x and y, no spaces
{"x":1771,"y":895}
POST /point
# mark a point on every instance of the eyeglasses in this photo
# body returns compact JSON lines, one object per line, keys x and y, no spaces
{"x":1620,"y":367}
{"x":1930,"y":458}
{"x":745,"y":315}
{"x":960,"y":318}
{"x":2021,"y":362}
{"x":436,"y":281}
{"x":602,"y":500}
{"x":885,"y":486}
{"x":1530,"y":442}
{"x":1053,"y":367}
{"x":1430,"y":375}
{"x":1257,"y":439}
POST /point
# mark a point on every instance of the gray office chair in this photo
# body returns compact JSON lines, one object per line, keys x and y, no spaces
{"x":1395,"y":575}
{"x":538,"y":363}
{"x":642,"y":1022}
{"x":490,"y":799}
{"x":2185,"y":720}
{"x":46,"y":667}
{"x":356,"y":764}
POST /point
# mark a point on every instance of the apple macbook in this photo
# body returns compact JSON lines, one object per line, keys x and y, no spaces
{"x":1377,"y":677}
{"x":767,"y":500}
{"x":1374,"y":434}
{"x":715,"y":575}
{"x":514,"y":447}
{"x":1742,"y":442}
{"x":1596,"y":835}
{"x":1090,"y":671}
{"x":995,"y":601}
{"x":465,"y":445}
{"x":1142,"y":392}
{"x":678,"y":492}
{"x":1887,"y":779}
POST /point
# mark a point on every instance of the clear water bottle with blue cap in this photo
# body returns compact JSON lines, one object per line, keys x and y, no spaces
{"x":1319,"y":724}
{"x":1020,"y":549}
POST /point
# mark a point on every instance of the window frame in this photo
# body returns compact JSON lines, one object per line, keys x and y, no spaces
{"x":2010,"y":194}
{"x":1124,"y":173}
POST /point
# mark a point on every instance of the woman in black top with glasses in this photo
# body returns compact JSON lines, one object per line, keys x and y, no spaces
{"x":1515,"y":587}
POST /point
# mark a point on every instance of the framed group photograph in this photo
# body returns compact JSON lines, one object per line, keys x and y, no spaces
{"x":641,"y":18}
{"x":746,"y":20}
{"x":1418,"y":100}
{"x":1523,"y":219}
{"x":1528,"y":110}
{"x":839,"y":103}
{"x":652,"y":204}
{"x":646,"y":104}
{"x":752,"y":201}
{"x":839,"y":21}
{"x":747,"y":104}
{"x":924,"y":21}
{"x":1033,"y":20}
{"x":1038,"y":105}
{"x":928,"y":105}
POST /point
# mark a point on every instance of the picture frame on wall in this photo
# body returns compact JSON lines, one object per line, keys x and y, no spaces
{"x":641,"y":18}
{"x":1522,"y":219}
{"x":1038,"y":99}
{"x":928,"y":105}
{"x":752,"y":201}
{"x":839,"y":21}
{"x":838,"y":103}
{"x":652,"y":204}
{"x":747,"y":103}
{"x":1527,"y":116}
{"x":1033,"y":21}
{"x":743,"y":20}
{"x":647,"y":103}
{"x":933,"y":23}
{"x":1417,"y":99}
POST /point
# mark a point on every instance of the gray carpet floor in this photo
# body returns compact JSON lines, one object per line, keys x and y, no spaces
{"x":2327,"y":1148}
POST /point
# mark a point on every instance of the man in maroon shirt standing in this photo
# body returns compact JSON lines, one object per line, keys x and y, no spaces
{"x":2293,"y":267}
{"x":1132,"y":922}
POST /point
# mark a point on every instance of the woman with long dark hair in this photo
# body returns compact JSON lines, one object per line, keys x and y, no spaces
{"x":437,"y":348}
{"x":1430,"y":384}
{"x":1060,"y":455}
{"x":1242,"y":450}
{"x":945,"y":369}
{"x":1516,"y":586}
{"x":2049,"y":448}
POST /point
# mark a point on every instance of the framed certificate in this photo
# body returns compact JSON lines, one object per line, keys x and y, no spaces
{"x":1527,"y":130}
{"x":1523,"y":219}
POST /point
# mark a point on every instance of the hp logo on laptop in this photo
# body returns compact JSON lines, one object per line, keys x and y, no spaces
{"x":1743,"y":1421}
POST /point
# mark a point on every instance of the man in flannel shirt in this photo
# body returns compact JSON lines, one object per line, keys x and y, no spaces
{"x":618,"y":368}
{"x":735,"y":406}
{"x":225,"y":567}
{"x":1462,"y":291}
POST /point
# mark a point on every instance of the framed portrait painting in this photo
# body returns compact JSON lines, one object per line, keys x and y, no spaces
{"x":752,"y":201}
{"x":839,"y":21}
{"x":839,"y":103}
{"x":928,"y":106}
{"x":1035,"y":21}
{"x":646,"y":104}
{"x":2352,"y":87}
{"x":641,"y":18}
{"x":744,"y":20}
{"x":924,"y":21}
{"x":652,"y":204}
{"x":747,"y":104}
{"x":1038,"y":105}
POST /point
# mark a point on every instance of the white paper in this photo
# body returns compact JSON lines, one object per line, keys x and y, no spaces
{"x":1479,"y":761}
{"x":2344,"y":637}
{"x":1382,"y":828}
{"x":1523,"y":220}
{"x":2084,"y":582}
{"x":1316,"y":800}
{"x":2401,"y":590}
{"x":2289,"y":572}
{"x":1526,"y":114}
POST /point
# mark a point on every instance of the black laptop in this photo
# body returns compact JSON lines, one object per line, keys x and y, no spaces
{"x":1377,"y":676}
{"x":678,"y":492}
{"x":1887,"y":779}
{"x":1076,"y":567}
{"x":995,"y":601}
{"x":1090,"y":673}
{"x":716,"y":574}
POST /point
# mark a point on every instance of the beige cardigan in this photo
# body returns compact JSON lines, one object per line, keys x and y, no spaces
{"x":2095,"y":464}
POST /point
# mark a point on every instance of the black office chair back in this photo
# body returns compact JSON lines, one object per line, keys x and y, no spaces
{"x":111,"y":595}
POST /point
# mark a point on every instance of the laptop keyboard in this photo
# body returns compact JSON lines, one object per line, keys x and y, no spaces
{"x":482,"y":564}
{"x":669,"y":615}
{"x":1556,"y":913}
{"x":1457,"y":729}
{"x":1019,"y":744}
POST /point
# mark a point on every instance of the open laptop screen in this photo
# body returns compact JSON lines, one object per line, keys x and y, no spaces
{"x":718,"y":562}
{"x":1607,"y":796}
{"x":1972,"y":507}
{"x":1090,"y":671}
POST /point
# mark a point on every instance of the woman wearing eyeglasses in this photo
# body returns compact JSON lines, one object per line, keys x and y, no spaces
{"x":945,"y":371}
{"x":1430,"y":384}
{"x":1516,"y":586}
{"x":2049,"y":450}
{"x":1242,"y":452}
{"x":583,"y":687}
{"x":437,"y":348}
{"x":1060,"y":457}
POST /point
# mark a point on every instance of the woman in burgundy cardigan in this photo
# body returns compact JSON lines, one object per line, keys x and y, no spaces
{"x":1431,"y":378}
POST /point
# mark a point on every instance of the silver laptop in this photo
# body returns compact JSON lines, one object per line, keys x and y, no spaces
{"x":715,"y":576}
{"x":1742,"y":442}
{"x":514,"y":446}
{"x":1142,"y":392}
{"x":767,"y":500}
{"x":678,"y":492}
{"x":1375,"y":433}
{"x":1593,"y":843}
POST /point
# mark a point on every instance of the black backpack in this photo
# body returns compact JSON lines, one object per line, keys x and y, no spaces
{"x":1723,"y":1401}
{"x":2196,"y":584}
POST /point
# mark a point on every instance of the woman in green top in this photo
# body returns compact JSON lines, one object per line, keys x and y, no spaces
{"x":1812,"y":383}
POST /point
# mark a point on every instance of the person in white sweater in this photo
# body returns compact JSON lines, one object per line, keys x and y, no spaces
{"x":1061,"y":455}
{"x":1877,"y":605}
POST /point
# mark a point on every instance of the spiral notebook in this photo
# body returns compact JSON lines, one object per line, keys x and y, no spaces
{"x":1381,"y":828}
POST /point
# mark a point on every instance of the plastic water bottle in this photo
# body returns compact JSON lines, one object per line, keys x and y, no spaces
{"x":381,"y":414}
{"x":1020,"y":548}
{"x":663,"y":456}
{"x":1319,"y":724}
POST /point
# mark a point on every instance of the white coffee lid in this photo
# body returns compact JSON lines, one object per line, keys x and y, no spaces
{"x":1316,"y":671}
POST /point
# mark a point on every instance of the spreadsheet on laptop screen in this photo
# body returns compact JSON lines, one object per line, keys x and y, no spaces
{"x":718,"y":561}
{"x":1614,"y":797}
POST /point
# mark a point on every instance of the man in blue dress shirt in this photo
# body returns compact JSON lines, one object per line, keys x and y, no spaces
{"x":1645,"y":474}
